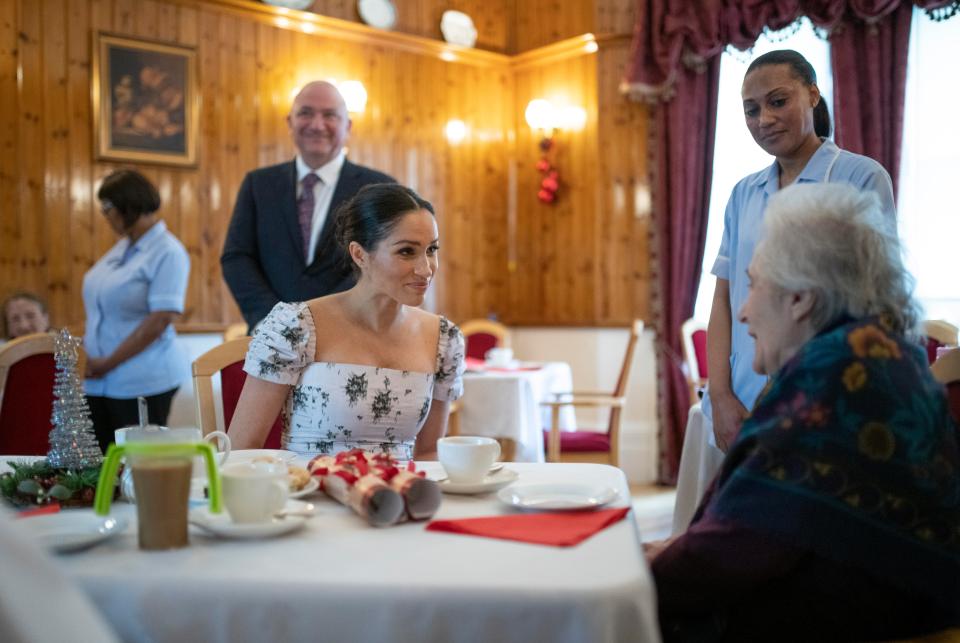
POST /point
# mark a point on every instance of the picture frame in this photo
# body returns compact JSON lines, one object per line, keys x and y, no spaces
{"x":146,"y":104}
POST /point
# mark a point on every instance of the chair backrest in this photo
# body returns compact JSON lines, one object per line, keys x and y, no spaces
{"x":947,"y":371}
{"x":613,"y":424}
{"x":483,"y":334}
{"x":234,"y":331}
{"x":226,"y":359}
{"x":938,"y":333}
{"x":27,"y":370}
{"x":695,"y":348}
{"x":635,"y":331}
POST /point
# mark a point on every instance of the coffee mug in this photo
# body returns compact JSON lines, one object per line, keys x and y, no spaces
{"x":254,"y":491}
{"x":500,"y":356}
{"x":156,"y":433}
{"x":467,"y":459}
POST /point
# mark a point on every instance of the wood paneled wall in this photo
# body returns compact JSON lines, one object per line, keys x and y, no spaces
{"x":580,"y":262}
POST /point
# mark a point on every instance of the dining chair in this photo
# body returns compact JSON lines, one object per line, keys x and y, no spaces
{"x":938,"y":333}
{"x":694,"y":335}
{"x":27,"y":370}
{"x":483,"y":334}
{"x":234,"y":331}
{"x":946,"y":370}
{"x":592,"y":446}
{"x":226,"y":359}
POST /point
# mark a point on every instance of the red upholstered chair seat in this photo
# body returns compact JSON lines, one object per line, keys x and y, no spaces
{"x":232,"y":378}
{"x":479,"y":343}
{"x":700,"y":351}
{"x":27,"y":406}
{"x":580,"y":441}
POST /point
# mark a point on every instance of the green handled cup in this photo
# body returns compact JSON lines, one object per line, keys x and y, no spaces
{"x":108,"y":473}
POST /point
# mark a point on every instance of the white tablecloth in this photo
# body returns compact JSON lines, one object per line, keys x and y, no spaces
{"x":340,"y":580}
{"x":700,"y":461}
{"x":506,"y":404}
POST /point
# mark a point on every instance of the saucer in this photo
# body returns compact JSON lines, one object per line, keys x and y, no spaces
{"x":246,"y":455}
{"x":308,"y":488}
{"x":557,"y":496}
{"x":490,"y":482}
{"x":221,"y":525}
{"x":72,"y":529}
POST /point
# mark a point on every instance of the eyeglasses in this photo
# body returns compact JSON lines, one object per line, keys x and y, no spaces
{"x":106,"y":205}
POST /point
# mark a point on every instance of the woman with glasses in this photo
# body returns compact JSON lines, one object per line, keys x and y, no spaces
{"x":132,"y":296}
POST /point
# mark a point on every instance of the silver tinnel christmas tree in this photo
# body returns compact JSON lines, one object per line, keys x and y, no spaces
{"x":73,"y":444}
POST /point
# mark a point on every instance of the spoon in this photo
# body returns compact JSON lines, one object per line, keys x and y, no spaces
{"x":306,"y":511}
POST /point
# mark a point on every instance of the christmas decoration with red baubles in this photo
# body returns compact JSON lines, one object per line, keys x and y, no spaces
{"x":551,"y":177}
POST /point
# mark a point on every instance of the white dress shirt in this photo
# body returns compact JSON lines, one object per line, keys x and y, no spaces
{"x":322,"y":194}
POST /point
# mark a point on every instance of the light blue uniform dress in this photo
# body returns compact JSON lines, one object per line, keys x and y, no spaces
{"x":741,"y":230}
{"x":119,"y":292}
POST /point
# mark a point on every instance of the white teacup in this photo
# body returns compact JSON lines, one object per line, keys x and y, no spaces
{"x":467,"y":459}
{"x":254,"y":491}
{"x":500,"y":356}
{"x":156,"y":433}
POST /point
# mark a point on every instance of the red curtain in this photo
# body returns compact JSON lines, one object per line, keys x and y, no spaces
{"x":674,"y":65}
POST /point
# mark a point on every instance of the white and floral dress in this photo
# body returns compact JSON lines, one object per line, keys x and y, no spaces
{"x":334,"y":407}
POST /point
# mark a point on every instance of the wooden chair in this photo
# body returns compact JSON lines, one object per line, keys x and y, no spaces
{"x":27,"y":370}
{"x":946,"y":370}
{"x":234,"y":331}
{"x":938,"y":333}
{"x":483,"y":334}
{"x":226,"y":359}
{"x":695,"y":356}
{"x":592,"y":446}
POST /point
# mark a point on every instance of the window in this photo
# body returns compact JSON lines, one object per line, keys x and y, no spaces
{"x":736,"y":155}
{"x":928,"y":218}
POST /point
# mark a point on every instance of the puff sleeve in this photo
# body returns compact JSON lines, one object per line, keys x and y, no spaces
{"x":283,"y":344}
{"x":448,"y":380}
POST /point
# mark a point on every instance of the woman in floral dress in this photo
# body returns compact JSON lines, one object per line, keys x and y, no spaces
{"x":366,"y":368}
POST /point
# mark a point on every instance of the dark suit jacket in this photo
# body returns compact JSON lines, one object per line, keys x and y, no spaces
{"x":262,"y":256}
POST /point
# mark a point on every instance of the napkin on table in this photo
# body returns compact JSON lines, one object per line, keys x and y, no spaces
{"x":558,"y":529}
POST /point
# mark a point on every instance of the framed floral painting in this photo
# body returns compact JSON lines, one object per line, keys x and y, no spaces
{"x":145,"y":101}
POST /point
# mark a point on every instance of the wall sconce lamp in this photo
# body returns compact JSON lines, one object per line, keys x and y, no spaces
{"x":354,"y":95}
{"x":546,"y":118}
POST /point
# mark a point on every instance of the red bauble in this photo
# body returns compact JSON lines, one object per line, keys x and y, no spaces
{"x":549,"y":184}
{"x":543,"y":165}
{"x":546,"y":196}
{"x":554,"y":175}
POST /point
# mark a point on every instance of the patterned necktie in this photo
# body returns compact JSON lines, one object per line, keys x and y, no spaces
{"x":305,"y":210}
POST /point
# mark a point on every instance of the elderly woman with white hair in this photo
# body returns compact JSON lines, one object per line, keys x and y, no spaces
{"x":836,"y":515}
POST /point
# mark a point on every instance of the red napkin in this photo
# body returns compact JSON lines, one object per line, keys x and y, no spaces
{"x":557,"y":529}
{"x":52,"y":508}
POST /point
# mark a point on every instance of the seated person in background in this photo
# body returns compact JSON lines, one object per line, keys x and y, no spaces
{"x":24,"y":313}
{"x":836,"y":513}
{"x":365,"y":368}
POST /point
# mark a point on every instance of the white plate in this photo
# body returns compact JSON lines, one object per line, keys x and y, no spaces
{"x":557,"y":496}
{"x":490,"y":482}
{"x":308,"y":488}
{"x":246,"y":455}
{"x":221,"y":525}
{"x":72,"y":529}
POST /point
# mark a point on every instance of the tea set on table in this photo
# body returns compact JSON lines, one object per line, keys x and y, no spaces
{"x":167,"y":473}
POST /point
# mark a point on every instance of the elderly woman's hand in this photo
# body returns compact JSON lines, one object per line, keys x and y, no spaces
{"x":728,"y":415}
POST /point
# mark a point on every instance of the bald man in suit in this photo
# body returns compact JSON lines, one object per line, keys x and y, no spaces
{"x":280,"y":245}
